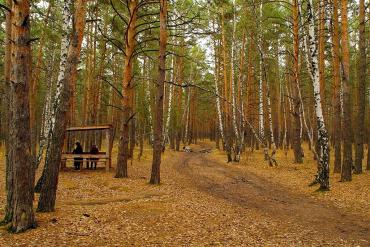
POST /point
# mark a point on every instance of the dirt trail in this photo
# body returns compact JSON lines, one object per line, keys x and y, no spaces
{"x":252,"y":192}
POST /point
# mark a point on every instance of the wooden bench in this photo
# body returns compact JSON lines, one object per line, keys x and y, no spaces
{"x":101,"y":156}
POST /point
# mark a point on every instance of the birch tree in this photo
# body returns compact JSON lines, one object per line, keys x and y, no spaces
{"x":61,"y":108}
{"x":323,"y":138}
{"x":49,"y":115}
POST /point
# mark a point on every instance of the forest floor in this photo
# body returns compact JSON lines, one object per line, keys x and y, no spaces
{"x":202,"y":201}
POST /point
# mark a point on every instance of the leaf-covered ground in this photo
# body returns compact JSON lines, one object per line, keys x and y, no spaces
{"x":202,"y":202}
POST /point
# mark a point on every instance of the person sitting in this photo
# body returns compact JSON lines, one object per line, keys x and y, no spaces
{"x":94,"y":150}
{"x":78,"y":161}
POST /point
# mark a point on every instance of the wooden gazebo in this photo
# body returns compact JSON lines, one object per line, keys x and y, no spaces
{"x":105,"y":156}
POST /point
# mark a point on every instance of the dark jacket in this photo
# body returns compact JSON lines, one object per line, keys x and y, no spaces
{"x":78,"y":150}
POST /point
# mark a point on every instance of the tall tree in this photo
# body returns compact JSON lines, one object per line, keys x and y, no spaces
{"x":296,"y":111}
{"x":23,"y":171}
{"x":321,"y":49}
{"x":7,"y":104}
{"x":337,"y":116}
{"x":158,"y":123}
{"x":323,"y":137}
{"x":346,"y":174}
{"x":361,"y":92}
{"x":61,"y":108}
{"x":49,"y":120}
{"x":127,"y":90}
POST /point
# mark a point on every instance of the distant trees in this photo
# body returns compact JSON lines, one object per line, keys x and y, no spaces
{"x":279,"y":73}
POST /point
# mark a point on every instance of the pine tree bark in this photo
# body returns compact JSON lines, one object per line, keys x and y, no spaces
{"x":53,"y":156}
{"x":361,"y":92}
{"x":7,"y":102}
{"x":298,"y":156}
{"x":227,"y":125}
{"x":20,"y":138}
{"x":346,"y":174}
{"x":158,"y":124}
{"x":337,"y":117}
{"x":127,"y":92}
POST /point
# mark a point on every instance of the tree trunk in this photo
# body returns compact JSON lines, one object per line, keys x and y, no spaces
{"x":295,"y":96}
{"x":169,"y":108}
{"x":7,"y":102}
{"x":49,"y":120}
{"x":346,"y":174}
{"x":233,"y":88}
{"x":158,"y":124}
{"x":61,"y":108}
{"x":321,"y":50}
{"x":33,"y":86}
{"x":218,"y":103}
{"x":20,"y":137}
{"x":260,"y":85}
{"x":227,"y":128}
{"x":337,"y":117}
{"x":323,"y":138}
{"x":127,"y":92}
{"x":361,"y":92}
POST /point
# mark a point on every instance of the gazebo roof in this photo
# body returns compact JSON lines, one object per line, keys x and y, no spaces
{"x":86,"y":128}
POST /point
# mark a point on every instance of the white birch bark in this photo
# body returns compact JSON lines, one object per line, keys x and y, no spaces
{"x":46,"y":117}
{"x":63,"y":56}
{"x":272,"y":139}
{"x":236,"y":131}
{"x":260,"y":88}
{"x":268,"y":97}
{"x":148,"y":97}
{"x":169,"y":109}
{"x":50,"y":117}
{"x":218,"y":103}
{"x":323,"y":140}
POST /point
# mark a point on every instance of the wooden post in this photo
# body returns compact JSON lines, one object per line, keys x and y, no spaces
{"x":63,"y":164}
{"x":108,"y":163}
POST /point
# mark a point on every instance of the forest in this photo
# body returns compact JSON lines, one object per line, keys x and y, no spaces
{"x":184,"y":123}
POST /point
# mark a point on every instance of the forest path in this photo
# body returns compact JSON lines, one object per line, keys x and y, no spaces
{"x":250,"y":191}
